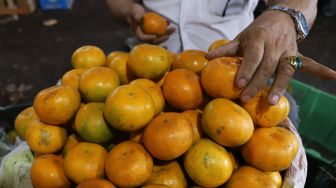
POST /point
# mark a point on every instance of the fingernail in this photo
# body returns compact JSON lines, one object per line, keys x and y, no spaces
{"x":273,"y":99}
{"x":241,"y":83}
{"x":246,"y":98}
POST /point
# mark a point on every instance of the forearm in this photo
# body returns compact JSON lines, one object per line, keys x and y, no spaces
{"x":308,"y":8}
{"x":120,"y":8}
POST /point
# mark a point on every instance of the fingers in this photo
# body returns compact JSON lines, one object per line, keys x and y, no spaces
{"x":142,"y":36}
{"x":285,"y":73}
{"x":152,"y":38}
{"x":137,"y":12}
{"x":163,"y":38}
{"x":228,"y":49}
{"x":252,"y":58}
{"x":311,"y":67}
{"x":170,"y":30}
{"x":263,"y":73}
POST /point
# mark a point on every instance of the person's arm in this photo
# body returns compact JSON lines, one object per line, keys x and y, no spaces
{"x":262,"y":44}
{"x":307,"y":8}
{"x":132,"y":12}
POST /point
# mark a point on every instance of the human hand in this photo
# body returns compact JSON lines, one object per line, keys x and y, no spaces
{"x":269,"y":38}
{"x":134,"y":18}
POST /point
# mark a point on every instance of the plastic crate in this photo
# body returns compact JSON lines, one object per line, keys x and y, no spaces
{"x":56,"y":4}
{"x":317,"y":120}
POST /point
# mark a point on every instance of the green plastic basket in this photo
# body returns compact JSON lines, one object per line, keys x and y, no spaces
{"x":317,"y":120}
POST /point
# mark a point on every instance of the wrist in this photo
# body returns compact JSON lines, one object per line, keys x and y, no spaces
{"x":298,"y":18}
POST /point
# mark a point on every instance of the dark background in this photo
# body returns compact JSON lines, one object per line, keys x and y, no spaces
{"x":33,"y":56}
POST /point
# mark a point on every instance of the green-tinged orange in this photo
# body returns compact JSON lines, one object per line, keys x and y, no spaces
{"x":88,"y":56}
{"x":91,"y":125}
{"x":149,"y":61}
{"x":71,"y":78}
{"x":117,"y":61}
{"x":44,"y":138}
{"x":97,"y":82}
{"x":208,"y":164}
{"x":154,"y":90}
{"x":85,"y":161}
{"x":129,"y":108}
{"x":24,"y":120}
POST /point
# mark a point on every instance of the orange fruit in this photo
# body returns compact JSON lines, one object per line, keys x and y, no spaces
{"x":97,"y":82}
{"x":218,"y":77}
{"x":169,"y":174}
{"x":44,"y":138}
{"x":128,"y":164}
{"x":72,"y":140}
{"x":195,"y":119}
{"x":88,"y":56}
{"x":91,"y":125}
{"x":208,"y":164}
{"x":249,"y":177}
{"x":129,"y":108}
{"x":95,"y":183}
{"x":57,"y":105}
{"x":47,"y":172}
{"x":264,"y":114}
{"x":227,"y":123}
{"x":155,"y":186}
{"x":149,"y":61}
{"x":23,"y":120}
{"x":182,"y":89}
{"x":193,"y":60}
{"x":71,"y":78}
{"x":271,"y":149}
{"x":217,"y":44}
{"x":154,"y":90}
{"x":276,"y":177}
{"x":85,"y":161}
{"x":168,"y":136}
{"x":118,"y":62}
{"x":154,"y":24}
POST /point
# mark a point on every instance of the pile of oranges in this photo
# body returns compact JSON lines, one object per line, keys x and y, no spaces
{"x":151,"y":118}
